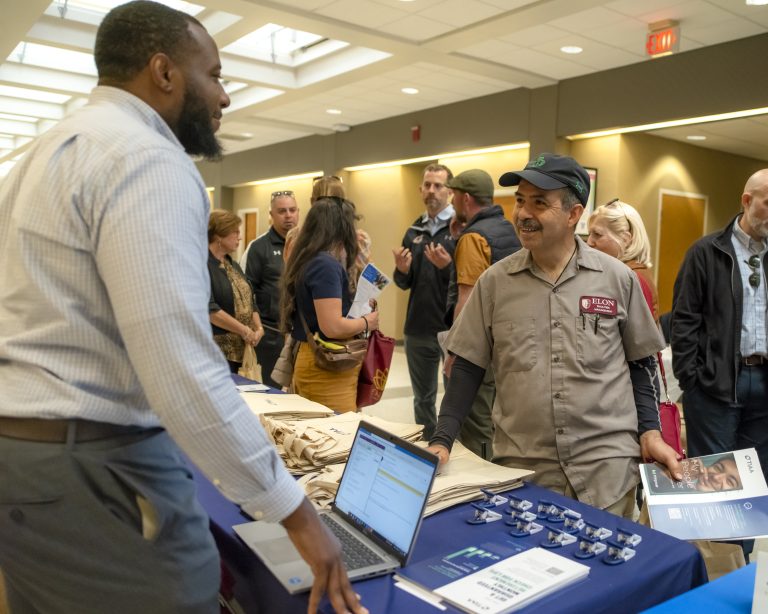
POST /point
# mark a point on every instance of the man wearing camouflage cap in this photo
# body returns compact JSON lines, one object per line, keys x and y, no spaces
{"x":571,"y":344}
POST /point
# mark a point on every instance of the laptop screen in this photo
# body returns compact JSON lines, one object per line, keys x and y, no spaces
{"x":385,"y":487}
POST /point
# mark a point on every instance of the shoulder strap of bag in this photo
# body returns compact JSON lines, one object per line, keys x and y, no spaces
{"x":663,"y":376}
{"x":310,"y":336}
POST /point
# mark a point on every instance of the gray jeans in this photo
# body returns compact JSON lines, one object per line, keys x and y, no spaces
{"x":104,"y":526}
{"x":423,"y":354}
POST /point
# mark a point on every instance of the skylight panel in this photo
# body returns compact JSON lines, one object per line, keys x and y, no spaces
{"x":27,"y":94}
{"x":280,"y":45}
{"x":34,"y":54}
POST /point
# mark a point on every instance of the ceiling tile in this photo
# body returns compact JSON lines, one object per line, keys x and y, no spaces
{"x":534,"y":35}
{"x":460,"y":13}
{"x":595,"y":55}
{"x":305,"y":5}
{"x":509,"y":5}
{"x":586,"y":20}
{"x":724,"y":31}
{"x":362,"y":12}
{"x":410,"y":7}
{"x":634,"y":8}
{"x":628,"y":34}
{"x":416,"y":28}
{"x":545,"y":64}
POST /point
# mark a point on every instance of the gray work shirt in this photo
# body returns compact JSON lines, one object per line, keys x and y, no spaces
{"x":564,"y":403}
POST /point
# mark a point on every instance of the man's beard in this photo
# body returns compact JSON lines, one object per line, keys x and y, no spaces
{"x":194,"y":128}
{"x":759,"y":226}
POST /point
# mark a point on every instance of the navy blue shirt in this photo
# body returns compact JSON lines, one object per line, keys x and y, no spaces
{"x":324,"y":277}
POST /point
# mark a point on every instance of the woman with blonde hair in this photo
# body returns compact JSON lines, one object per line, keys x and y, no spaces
{"x":617,"y":229}
{"x":332,"y":186}
{"x":234,"y":320}
{"x":315,"y":292}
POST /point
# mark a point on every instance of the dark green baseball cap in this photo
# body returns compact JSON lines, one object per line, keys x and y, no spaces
{"x":475,"y":181}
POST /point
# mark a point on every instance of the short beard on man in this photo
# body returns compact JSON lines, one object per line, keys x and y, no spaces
{"x":194,"y":128}
{"x":759,"y":226}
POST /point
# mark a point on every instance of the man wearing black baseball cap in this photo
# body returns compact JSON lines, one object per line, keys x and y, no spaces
{"x":552,"y":172}
{"x":572,"y":345}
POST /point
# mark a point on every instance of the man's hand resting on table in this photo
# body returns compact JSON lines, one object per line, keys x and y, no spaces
{"x":320,"y":548}
{"x":441,"y":452}
{"x":654,"y":449}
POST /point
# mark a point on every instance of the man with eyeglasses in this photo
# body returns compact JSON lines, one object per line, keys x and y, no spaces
{"x":719,"y":345}
{"x":423,"y":266}
{"x":263,"y":267}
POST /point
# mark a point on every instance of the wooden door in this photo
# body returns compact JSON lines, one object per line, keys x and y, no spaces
{"x":681,"y":223}
{"x":508,"y":204}
{"x":249,"y":229}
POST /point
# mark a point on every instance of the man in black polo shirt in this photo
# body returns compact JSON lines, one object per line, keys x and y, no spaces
{"x":263,"y":268}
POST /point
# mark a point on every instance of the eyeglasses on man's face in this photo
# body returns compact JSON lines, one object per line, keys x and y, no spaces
{"x":754,"y":264}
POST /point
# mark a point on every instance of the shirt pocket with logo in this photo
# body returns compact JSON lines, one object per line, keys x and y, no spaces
{"x":596,"y":339}
{"x":515,"y":344}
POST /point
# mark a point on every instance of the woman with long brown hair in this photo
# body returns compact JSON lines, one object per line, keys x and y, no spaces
{"x":315,"y":287}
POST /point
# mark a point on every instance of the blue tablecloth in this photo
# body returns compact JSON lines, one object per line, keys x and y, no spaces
{"x":729,"y":594}
{"x":663,"y":567}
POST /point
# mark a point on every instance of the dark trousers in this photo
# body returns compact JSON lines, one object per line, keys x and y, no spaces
{"x":267,"y":352}
{"x":423,"y":355}
{"x":111,"y":525}
{"x":714,"y":426}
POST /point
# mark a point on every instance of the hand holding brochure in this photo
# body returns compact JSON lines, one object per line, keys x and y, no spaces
{"x":369,"y":286}
{"x":721,"y":496}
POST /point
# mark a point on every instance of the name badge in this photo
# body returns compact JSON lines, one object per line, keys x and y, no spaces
{"x":598,"y":305}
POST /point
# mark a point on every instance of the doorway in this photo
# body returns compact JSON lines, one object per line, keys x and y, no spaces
{"x":681,"y":223}
{"x":249,"y":229}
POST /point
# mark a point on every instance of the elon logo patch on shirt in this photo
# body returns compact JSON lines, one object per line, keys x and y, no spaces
{"x":598,"y":305}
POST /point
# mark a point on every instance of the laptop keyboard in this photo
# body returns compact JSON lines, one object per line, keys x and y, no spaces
{"x":355,"y":553}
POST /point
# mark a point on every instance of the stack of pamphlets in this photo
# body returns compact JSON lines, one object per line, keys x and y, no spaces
{"x":721,"y":496}
{"x":492,"y":577}
{"x":460,"y":480}
{"x":284,"y":406}
{"x":310,"y":445}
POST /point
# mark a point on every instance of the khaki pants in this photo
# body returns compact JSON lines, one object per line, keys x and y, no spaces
{"x":624,"y":507}
{"x":334,"y":389}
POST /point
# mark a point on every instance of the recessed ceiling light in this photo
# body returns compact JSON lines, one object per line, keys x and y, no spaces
{"x":571,"y":49}
{"x":247,"y":135}
{"x":696,"y":137}
{"x":409,"y":90}
{"x":333,"y":111}
{"x":757,"y":2}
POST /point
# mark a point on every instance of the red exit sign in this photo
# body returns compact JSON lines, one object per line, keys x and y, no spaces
{"x":663,"y":40}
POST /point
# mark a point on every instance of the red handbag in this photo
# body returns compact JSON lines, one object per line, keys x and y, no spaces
{"x":375,"y":369}
{"x":669,"y":415}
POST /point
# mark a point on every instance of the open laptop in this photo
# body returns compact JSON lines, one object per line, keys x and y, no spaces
{"x":376,"y":515}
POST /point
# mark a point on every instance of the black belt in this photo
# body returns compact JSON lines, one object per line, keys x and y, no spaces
{"x":55,"y":431}
{"x":756,"y":360}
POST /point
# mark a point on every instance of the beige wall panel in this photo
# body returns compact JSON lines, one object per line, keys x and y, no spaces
{"x":706,"y":81}
{"x":636,"y":167}
{"x":388,"y":200}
